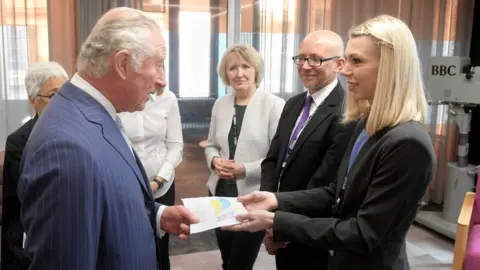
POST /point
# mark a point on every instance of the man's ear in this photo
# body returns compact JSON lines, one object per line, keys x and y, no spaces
{"x":340,"y":64}
{"x":121,"y":63}
{"x":34,"y":104}
{"x":31,"y":100}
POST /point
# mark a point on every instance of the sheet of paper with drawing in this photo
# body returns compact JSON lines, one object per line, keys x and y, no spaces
{"x":213,"y":212}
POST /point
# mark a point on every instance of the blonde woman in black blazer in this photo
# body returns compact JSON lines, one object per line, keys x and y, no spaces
{"x":364,"y":216}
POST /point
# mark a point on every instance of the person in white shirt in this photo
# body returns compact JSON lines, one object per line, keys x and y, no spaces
{"x":156,"y":136}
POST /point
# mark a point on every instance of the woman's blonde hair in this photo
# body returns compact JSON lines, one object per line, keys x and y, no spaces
{"x":249,"y":54}
{"x":399,"y":94}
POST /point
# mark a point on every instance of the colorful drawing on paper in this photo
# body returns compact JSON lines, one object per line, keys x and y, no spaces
{"x":219,"y":205}
{"x":224,"y":209}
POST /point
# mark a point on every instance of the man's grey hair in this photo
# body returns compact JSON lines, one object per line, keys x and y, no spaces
{"x":39,"y":73}
{"x":130,"y":30}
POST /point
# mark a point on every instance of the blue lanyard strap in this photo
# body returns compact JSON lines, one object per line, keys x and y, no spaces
{"x":361,"y":140}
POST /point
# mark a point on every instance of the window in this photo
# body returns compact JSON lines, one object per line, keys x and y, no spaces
{"x":194,"y":55}
{"x":14,"y":59}
{"x":23,"y":39}
{"x":195,"y":32}
{"x":275,"y":28}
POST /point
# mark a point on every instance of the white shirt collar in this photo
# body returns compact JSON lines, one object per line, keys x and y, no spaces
{"x":322,"y":94}
{"x":92,"y":91}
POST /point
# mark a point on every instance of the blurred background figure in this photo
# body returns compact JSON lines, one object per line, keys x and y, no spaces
{"x":234,"y":151}
{"x":42,"y":81}
{"x":156,"y":136}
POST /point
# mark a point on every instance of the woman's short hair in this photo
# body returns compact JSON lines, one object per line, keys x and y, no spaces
{"x":249,"y":54}
{"x":38,"y":73}
{"x":400,"y":93}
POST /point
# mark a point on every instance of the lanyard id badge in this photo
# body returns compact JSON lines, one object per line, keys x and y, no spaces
{"x":290,"y":147}
{"x":235,"y":132}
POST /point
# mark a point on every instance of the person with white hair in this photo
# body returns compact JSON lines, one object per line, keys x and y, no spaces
{"x":42,"y":82}
{"x":85,"y":197}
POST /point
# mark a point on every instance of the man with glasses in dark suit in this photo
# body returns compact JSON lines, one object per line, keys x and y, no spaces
{"x":310,"y":140}
{"x":42,"y":81}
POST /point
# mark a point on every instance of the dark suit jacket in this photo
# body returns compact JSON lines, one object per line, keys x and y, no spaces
{"x":319,"y":148}
{"x":313,"y":163}
{"x":86,"y":203}
{"x":13,"y":256}
{"x":385,"y":185}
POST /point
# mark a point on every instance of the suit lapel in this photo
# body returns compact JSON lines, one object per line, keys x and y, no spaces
{"x":333,"y":100}
{"x":342,"y":170}
{"x":115,"y":138}
{"x":246,"y":117}
{"x":96,"y":113}
{"x":289,"y":126}
{"x":144,"y":174}
{"x":371,"y":141}
{"x":321,"y":113}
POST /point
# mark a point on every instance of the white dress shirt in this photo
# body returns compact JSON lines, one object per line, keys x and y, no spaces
{"x":318,"y":98}
{"x":93,"y":92}
{"x":156,"y":136}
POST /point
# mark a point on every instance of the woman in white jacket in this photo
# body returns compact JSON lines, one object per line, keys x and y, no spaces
{"x":156,"y":136}
{"x":242,"y":126}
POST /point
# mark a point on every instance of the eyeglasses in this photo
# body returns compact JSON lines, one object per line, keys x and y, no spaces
{"x":47,"y":96}
{"x":313,"y":62}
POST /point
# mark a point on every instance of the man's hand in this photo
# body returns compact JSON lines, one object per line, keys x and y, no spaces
{"x":271,"y":246}
{"x":234,"y":168}
{"x":176,"y":220}
{"x":219,"y":164}
{"x":253,"y":221}
{"x":259,"y":200}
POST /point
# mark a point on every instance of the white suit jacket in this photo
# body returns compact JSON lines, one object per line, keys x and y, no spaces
{"x":258,"y":128}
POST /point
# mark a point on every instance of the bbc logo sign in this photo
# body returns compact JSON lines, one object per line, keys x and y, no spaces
{"x":442,"y":70}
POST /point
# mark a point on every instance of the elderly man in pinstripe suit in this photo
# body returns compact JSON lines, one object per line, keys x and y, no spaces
{"x":86,"y":202}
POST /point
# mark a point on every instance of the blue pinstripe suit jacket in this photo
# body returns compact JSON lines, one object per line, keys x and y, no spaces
{"x":86,"y":203}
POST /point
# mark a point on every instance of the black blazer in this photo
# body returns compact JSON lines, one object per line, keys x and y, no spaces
{"x":13,"y":256}
{"x":385,"y":186}
{"x":319,"y":148}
